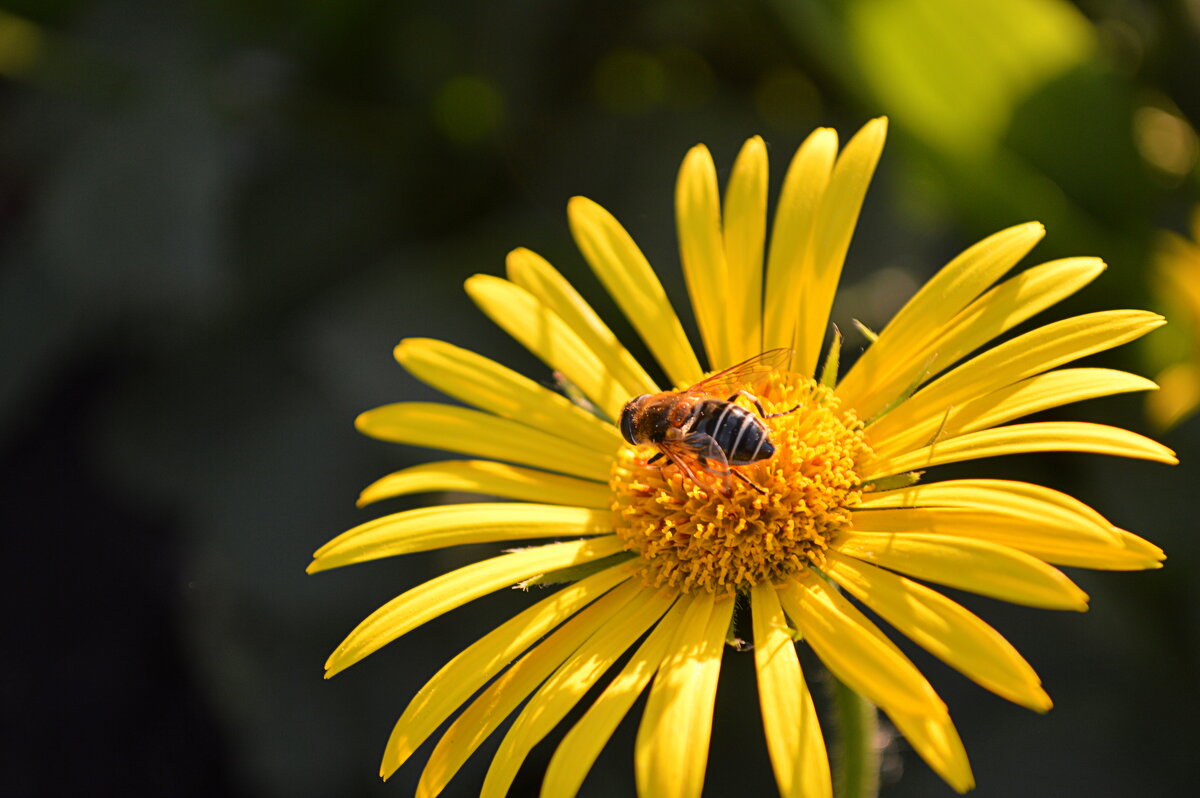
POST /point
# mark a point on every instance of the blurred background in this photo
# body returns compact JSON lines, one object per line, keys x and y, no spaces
{"x":217,"y":218}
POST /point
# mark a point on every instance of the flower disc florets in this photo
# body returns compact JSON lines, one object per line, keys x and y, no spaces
{"x":691,"y":537}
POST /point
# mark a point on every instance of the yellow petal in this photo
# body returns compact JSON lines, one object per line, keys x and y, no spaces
{"x":867,"y":658}
{"x":458,"y":429}
{"x":493,"y":705}
{"x":1142,"y":548}
{"x":1032,"y":395}
{"x":854,"y":650}
{"x":1007,"y":305}
{"x":454,"y":525}
{"x":1128,"y":553}
{"x":832,"y":231}
{"x":790,"y":253}
{"x":702,"y":251}
{"x":486,"y":384}
{"x":1024,"y":356}
{"x":745,"y":229}
{"x":623,"y":269}
{"x":672,"y":740}
{"x":936,"y":740}
{"x":459,"y":678}
{"x":1064,"y":537}
{"x":1000,"y":502}
{"x":889,"y":361}
{"x":440,"y":595}
{"x":533,"y":273}
{"x":943,"y":628}
{"x":1044,"y":436}
{"x":568,"y":685}
{"x":995,"y":312}
{"x":976,"y":566}
{"x":794,"y":738}
{"x":541,"y":331}
{"x":582,"y":744}
{"x":489,"y":478}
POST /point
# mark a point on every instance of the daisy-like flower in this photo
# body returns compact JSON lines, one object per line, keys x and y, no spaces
{"x":835,"y":520}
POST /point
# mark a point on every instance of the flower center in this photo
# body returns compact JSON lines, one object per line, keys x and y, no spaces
{"x":691,"y":537}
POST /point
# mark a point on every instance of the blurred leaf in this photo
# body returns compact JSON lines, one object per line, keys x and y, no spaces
{"x":1008,"y":102}
{"x":954,"y":72}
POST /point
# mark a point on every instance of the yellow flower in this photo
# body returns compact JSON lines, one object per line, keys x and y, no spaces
{"x":654,"y":561}
{"x":1177,"y":284}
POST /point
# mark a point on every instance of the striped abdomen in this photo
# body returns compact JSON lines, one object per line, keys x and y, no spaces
{"x":740,"y":434}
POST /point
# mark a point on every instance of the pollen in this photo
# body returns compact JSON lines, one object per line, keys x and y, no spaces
{"x":692,"y":537}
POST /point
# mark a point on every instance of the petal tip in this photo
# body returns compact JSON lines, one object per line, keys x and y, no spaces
{"x":1042,"y":702}
{"x":403,"y":349}
{"x":579,"y":204}
{"x":336,"y":663}
{"x":477,"y":281}
{"x":755,"y":141}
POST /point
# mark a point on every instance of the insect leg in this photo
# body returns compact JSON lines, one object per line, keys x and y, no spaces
{"x":748,"y":481}
{"x":784,"y":413}
{"x":758,"y":405}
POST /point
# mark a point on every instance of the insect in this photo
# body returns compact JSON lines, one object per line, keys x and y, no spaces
{"x":702,"y":429}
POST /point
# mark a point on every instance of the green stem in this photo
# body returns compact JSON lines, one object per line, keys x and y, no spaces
{"x":855,"y":754}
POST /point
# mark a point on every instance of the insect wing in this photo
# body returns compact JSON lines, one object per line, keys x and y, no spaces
{"x":748,"y":372}
{"x":699,"y":453}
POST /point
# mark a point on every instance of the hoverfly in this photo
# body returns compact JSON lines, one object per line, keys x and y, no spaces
{"x":701,"y":427}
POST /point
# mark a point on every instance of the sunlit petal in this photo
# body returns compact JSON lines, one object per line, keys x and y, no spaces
{"x":1044,"y":436}
{"x":854,"y":650}
{"x":489,"y":478}
{"x":487,"y":385}
{"x":890,"y":364}
{"x":459,"y":429}
{"x":793,"y":732}
{"x":702,"y":251}
{"x":943,"y":628}
{"x":897,"y":433}
{"x":496,"y":703}
{"x":543,"y":332}
{"x":1000,"y":502}
{"x":533,"y":273}
{"x":559,"y":694}
{"x":451,"y":590}
{"x":583,"y":743}
{"x":455,"y":525}
{"x":976,"y":566}
{"x":790,"y":254}
{"x":885,"y":673}
{"x":459,"y":678}
{"x":1034,"y":352}
{"x":744,"y":216}
{"x":623,"y":269}
{"x":672,"y":740}
{"x":832,"y":230}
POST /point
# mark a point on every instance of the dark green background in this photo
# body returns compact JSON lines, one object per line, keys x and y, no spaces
{"x":217,"y":218}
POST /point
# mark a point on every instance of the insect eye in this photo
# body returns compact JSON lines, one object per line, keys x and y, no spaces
{"x":627,"y":417}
